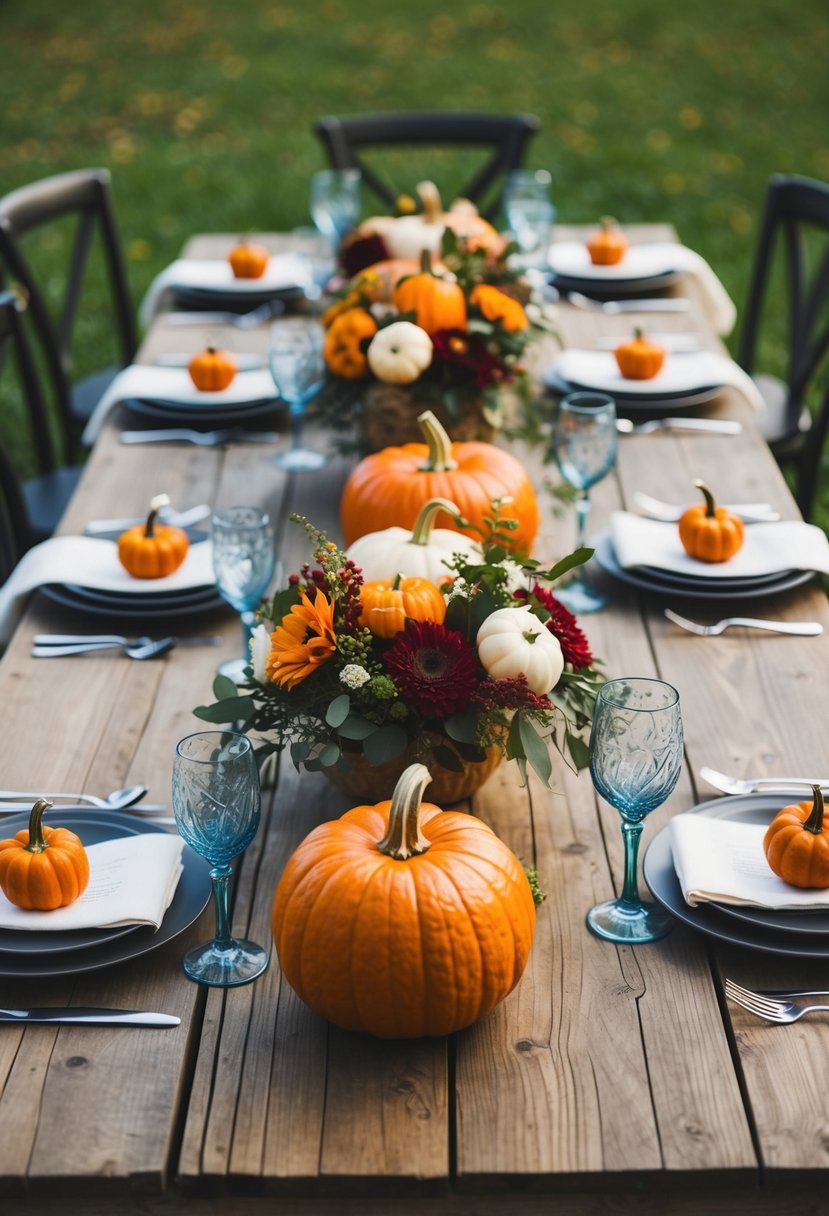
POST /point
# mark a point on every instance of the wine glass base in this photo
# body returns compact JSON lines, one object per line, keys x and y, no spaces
{"x":579,"y":597}
{"x":300,"y":460}
{"x":620,"y":921}
{"x":224,"y":967}
{"x":234,"y":669}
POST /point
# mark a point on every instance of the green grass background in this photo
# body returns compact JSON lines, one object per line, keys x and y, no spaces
{"x":203,"y":111}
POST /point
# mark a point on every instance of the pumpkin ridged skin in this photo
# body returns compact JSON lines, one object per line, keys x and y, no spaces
{"x":403,"y":948}
{"x":419,"y":552}
{"x":212,"y":370}
{"x":708,"y":532}
{"x":388,"y":488}
{"x":153,"y":550}
{"x":248,"y":260}
{"x":43,"y":868}
{"x":639,"y":359}
{"x":609,"y":245}
{"x":436,"y":302}
{"x":388,"y":603}
{"x":797,"y":853}
{"x":345,"y":342}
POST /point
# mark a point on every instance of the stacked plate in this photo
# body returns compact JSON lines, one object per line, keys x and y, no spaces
{"x":803,"y":934}
{"x":643,"y":268}
{"x":686,"y":380}
{"x":167,"y":395}
{"x":38,"y":954}
{"x":134,"y":606}
{"x":679,"y":587}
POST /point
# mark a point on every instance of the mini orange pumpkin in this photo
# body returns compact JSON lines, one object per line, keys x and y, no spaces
{"x":608,"y":246}
{"x":708,"y":532}
{"x":248,"y":260}
{"x":796,"y":843}
{"x":345,"y":344}
{"x":212,"y":370}
{"x":437,"y":303}
{"x":496,"y":305}
{"x":388,"y":603}
{"x":401,"y":919}
{"x":639,"y":359}
{"x":152,"y":550}
{"x":43,"y":868}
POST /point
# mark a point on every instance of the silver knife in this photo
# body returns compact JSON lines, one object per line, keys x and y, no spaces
{"x":90,"y":1017}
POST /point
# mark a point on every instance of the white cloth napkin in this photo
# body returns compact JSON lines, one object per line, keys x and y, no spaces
{"x":174,"y":384}
{"x":88,"y":561}
{"x":767,"y":548}
{"x":686,"y":372}
{"x":723,"y":860}
{"x":132,"y":881}
{"x":649,"y":261}
{"x":284,"y":270}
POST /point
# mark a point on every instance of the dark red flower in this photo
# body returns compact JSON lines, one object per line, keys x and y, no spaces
{"x":359,"y":252}
{"x":433,"y":667}
{"x":457,"y":348}
{"x":564,"y":626}
{"x":509,"y":694}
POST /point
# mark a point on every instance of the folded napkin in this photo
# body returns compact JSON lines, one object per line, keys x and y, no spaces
{"x":88,"y":561}
{"x":723,"y":860}
{"x":132,"y":881}
{"x":646,"y":262}
{"x":686,"y":372}
{"x":284,"y":270}
{"x":767,"y":548}
{"x":174,"y":384}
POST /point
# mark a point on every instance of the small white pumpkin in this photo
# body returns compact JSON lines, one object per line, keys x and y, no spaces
{"x":398,"y":353}
{"x":514,"y":640}
{"x":406,"y":236}
{"x":419,"y":553}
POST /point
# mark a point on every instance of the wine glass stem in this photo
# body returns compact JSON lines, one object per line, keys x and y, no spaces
{"x":248,"y":620}
{"x":220,"y":878}
{"x":297,"y":412}
{"x":631,"y":835}
{"x":582,"y":512}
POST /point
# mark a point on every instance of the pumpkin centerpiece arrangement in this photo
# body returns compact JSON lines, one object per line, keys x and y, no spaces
{"x":366,"y":906}
{"x":708,"y":532}
{"x":153,"y":550}
{"x":439,"y":319}
{"x":452,"y":652}
{"x":43,"y":868}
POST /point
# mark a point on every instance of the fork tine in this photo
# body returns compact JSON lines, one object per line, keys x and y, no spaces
{"x":751,"y":1000}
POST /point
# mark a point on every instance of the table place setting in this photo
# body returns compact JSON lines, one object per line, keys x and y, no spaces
{"x":212,"y":281}
{"x":169,"y":394}
{"x":644,"y":267}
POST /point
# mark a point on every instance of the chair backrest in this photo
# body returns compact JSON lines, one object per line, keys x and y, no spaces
{"x":25,"y":399}
{"x":507,"y":135}
{"x":796,"y":210}
{"x":84,"y":195}
{"x":15,"y":535}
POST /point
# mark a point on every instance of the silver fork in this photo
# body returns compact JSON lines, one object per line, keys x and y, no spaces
{"x":751,"y":785}
{"x":707,"y":426}
{"x":239,"y":320}
{"x":204,"y":439}
{"x":766,"y":1007}
{"x":670,"y":513}
{"x":141,"y":649}
{"x":662,"y":304}
{"x":805,"y":629}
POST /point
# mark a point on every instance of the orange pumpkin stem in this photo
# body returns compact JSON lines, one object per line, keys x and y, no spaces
{"x":404,"y":838}
{"x":440,"y":456}
{"x":814,"y":823}
{"x":710,"y":505}
{"x":422,"y":531}
{"x":37,"y":842}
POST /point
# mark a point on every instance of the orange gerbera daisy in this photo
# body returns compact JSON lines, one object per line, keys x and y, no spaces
{"x":496,"y":305}
{"x":302,"y":641}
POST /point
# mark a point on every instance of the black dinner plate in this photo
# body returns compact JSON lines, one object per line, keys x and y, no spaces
{"x":628,"y":404}
{"x":173,"y":413}
{"x":191,"y":897}
{"x":704,"y":590}
{"x":758,"y":929}
{"x":613,"y":289}
{"x":691,"y":581}
{"x":209,"y":298}
{"x":133,"y":608}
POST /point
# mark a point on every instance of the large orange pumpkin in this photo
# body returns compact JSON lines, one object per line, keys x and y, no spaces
{"x":437,"y":303}
{"x":388,"y":488}
{"x":401,"y":919}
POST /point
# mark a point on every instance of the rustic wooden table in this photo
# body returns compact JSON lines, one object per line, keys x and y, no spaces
{"x":611,"y":1080}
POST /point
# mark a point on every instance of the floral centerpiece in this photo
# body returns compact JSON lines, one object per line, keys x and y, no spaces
{"x":359,"y":678}
{"x":433,"y":316}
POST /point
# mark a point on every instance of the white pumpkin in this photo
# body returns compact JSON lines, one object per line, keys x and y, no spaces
{"x":406,"y":236}
{"x":514,"y":640}
{"x":418,"y":553}
{"x":398,"y":353}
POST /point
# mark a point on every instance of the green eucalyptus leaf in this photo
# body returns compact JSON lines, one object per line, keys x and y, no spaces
{"x":384,"y":744}
{"x":232,"y":709}
{"x":462,"y":727}
{"x":448,"y":758}
{"x":299,"y":752}
{"x":338,"y":710}
{"x":515,"y":747}
{"x":577,"y":558}
{"x":579,"y":751}
{"x":535,"y":748}
{"x":355,"y":727}
{"x":329,"y":755}
{"x":224,"y":688}
{"x":471,"y":752}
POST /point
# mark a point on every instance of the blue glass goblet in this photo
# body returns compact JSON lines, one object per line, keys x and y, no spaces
{"x":335,"y":202}
{"x":296,"y":363}
{"x":635,"y":761}
{"x":216,"y":802}
{"x":243,"y":565}
{"x":584,"y":445}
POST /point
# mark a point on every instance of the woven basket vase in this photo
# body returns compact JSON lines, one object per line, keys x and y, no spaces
{"x":389,"y":413}
{"x":367,"y":783}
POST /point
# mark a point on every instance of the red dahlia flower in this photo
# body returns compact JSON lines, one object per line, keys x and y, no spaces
{"x":457,"y":348}
{"x":433,"y":667}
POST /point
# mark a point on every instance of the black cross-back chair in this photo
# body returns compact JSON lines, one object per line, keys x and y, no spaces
{"x":507,"y":135}
{"x":795,"y":207}
{"x":14,"y":532}
{"x":41,"y":499}
{"x":87,"y":195}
